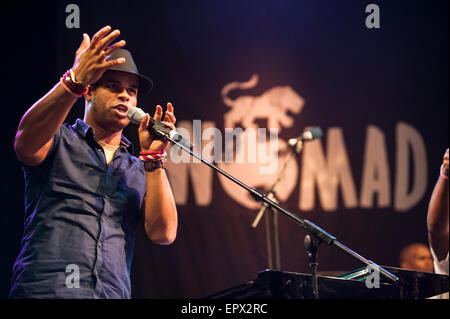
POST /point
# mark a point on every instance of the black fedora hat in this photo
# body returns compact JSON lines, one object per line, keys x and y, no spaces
{"x":145,"y":84}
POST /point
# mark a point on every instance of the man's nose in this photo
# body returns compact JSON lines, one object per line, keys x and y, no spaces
{"x":123,"y":95}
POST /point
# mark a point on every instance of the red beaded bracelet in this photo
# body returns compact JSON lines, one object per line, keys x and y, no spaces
{"x":67,"y":88}
{"x":152,"y":156}
{"x":70,"y":85}
{"x":151,"y":152}
{"x":443,"y":173}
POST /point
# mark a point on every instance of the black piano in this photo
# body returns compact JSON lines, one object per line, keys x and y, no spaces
{"x":271,"y":284}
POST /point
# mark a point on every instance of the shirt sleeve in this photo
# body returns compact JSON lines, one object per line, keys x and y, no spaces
{"x":55,"y":142}
{"x":440,"y":267}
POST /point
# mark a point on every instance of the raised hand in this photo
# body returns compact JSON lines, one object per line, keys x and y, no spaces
{"x":90,"y":57}
{"x":149,"y":142}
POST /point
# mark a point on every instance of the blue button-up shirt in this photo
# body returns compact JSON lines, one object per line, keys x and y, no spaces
{"x":80,"y":220}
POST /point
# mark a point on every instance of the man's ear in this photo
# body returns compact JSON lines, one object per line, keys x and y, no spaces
{"x":90,"y":94}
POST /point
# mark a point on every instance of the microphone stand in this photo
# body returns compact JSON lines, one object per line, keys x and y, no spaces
{"x":297,"y":148}
{"x":312,"y":245}
{"x":316,"y":234}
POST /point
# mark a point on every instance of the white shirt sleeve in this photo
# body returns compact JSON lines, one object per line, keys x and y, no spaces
{"x":440,"y":267}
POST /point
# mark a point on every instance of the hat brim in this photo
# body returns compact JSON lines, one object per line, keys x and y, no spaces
{"x":145,"y":84}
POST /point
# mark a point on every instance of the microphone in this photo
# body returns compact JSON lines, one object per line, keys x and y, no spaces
{"x":307,"y":135}
{"x":135,"y":115}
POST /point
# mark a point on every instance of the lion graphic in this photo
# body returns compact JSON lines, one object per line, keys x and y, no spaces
{"x":273,"y":105}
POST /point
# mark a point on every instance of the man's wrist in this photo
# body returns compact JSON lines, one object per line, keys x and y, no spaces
{"x":69,"y":83}
{"x":74,"y":78}
{"x":152,"y":155}
{"x":153,"y":160}
{"x":151,"y":166}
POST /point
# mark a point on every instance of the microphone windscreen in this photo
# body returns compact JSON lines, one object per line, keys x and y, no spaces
{"x":135,"y":115}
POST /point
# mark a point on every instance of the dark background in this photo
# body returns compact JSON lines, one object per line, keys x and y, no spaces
{"x":349,"y":76}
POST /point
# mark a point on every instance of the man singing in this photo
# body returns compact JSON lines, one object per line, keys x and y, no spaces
{"x":84,"y":191}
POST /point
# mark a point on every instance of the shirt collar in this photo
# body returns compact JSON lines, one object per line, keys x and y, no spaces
{"x":85,"y":130}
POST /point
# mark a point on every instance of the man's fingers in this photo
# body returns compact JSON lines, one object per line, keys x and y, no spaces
{"x":114,"y":47}
{"x":99,"y":35}
{"x":144,"y":123}
{"x":103,"y":43}
{"x":169,"y":124}
{"x":170,"y":117}
{"x":86,"y":40}
{"x":111,"y":63}
{"x":84,"y":44}
{"x":158,"y":113}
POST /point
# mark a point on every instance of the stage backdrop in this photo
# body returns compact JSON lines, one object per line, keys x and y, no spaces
{"x":373,"y":78}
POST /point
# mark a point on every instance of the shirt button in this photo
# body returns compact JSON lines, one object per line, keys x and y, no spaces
{"x":95,"y":272}
{"x":103,"y":219}
{"x":99,"y":245}
{"x":106,"y":197}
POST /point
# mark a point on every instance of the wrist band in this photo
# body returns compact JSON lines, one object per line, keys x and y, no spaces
{"x":67,"y":88}
{"x":153,"y":160}
{"x":151,"y":152}
{"x":151,"y":166}
{"x":68,"y":82}
{"x":443,"y":172}
{"x":152,"y":156}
